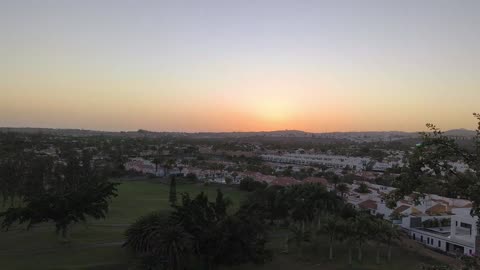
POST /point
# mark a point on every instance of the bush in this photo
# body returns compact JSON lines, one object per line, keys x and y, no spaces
{"x":249,"y":184}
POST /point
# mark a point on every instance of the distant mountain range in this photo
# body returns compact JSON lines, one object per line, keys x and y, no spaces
{"x":353,"y":136}
{"x":460,"y":132}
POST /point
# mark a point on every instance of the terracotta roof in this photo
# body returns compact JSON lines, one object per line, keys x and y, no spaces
{"x":368,"y":204}
{"x":436,"y":209}
{"x":401,"y":208}
{"x":319,"y":180}
{"x":285,"y":181}
{"x":416,"y":212}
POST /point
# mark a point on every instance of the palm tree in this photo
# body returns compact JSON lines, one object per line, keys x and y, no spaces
{"x":167,"y":165}
{"x":175,"y":244}
{"x":157,"y":160}
{"x":362,"y":228}
{"x":173,"y":191}
{"x":347,"y":234}
{"x":392,"y":233}
{"x":332,"y":228}
{"x":155,"y":235}
{"x":379,"y":229}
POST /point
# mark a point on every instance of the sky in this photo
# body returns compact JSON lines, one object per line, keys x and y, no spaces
{"x":240,"y":65}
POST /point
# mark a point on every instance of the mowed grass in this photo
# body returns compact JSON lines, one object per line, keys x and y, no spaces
{"x":97,"y":244}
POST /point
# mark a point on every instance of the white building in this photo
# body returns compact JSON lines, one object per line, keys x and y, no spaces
{"x":143,"y":166}
{"x":333,"y":161}
{"x":437,"y":222}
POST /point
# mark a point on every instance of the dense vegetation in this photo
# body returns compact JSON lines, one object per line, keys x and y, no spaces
{"x":39,"y":189}
{"x":202,"y":232}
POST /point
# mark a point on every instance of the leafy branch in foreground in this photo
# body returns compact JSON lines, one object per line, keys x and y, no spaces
{"x":432,"y":162}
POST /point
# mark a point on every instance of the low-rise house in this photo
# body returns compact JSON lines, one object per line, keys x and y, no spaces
{"x":369,"y":205}
{"x":143,"y":166}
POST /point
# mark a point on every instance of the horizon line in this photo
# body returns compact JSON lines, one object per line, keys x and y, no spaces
{"x":194,"y":132}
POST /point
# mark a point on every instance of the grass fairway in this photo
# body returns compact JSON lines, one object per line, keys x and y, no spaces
{"x":96,"y":245}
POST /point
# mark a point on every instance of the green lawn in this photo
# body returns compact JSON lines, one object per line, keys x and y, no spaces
{"x":96,"y":245}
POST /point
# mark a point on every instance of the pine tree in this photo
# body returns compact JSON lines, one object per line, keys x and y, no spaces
{"x":173,"y":191}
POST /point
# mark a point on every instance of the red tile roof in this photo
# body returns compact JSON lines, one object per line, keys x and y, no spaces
{"x":314,"y":180}
{"x":401,"y":208}
{"x":368,"y":204}
{"x":285,"y":181}
{"x":436,"y":209}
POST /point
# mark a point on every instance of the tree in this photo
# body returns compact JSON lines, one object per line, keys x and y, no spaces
{"x":391,"y":234}
{"x":154,"y":235}
{"x":363,"y":188}
{"x":432,"y":158}
{"x":332,"y":227}
{"x":221,"y":204}
{"x":249,"y":184}
{"x":361,"y":228}
{"x":63,"y":209}
{"x":347,"y":234}
{"x":379,"y":230}
{"x":220,"y":238}
{"x":172,"y":196}
{"x":167,"y":165}
{"x":343,"y":189}
{"x":72,"y":193}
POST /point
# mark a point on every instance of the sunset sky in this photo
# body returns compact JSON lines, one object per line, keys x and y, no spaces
{"x":240,"y":65}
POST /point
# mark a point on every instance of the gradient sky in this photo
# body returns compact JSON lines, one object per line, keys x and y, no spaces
{"x":240,"y":65}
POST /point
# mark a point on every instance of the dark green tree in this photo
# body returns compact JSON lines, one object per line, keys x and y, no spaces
{"x":158,"y":242}
{"x":63,"y":209}
{"x":362,"y":188}
{"x":332,"y":227}
{"x":342,"y":188}
{"x":172,"y":195}
{"x":66,"y":195}
{"x":430,"y":164}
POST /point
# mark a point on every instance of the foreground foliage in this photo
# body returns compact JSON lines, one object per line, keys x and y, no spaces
{"x":198,"y":231}
{"x":64,"y":194}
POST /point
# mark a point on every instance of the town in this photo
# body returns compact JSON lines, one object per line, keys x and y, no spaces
{"x":239,"y":135}
{"x":363,"y":174}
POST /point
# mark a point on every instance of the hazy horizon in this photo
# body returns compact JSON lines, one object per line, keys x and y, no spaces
{"x":225,"y":131}
{"x":223,"y":66}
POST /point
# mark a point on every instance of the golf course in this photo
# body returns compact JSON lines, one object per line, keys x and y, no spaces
{"x":97,"y":244}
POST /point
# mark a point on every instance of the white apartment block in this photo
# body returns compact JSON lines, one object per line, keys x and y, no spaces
{"x":452,"y":229}
{"x":333,"y":161}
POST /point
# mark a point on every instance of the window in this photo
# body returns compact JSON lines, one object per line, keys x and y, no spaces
{"x":466,"y":226}
{"x":439,"y":243}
